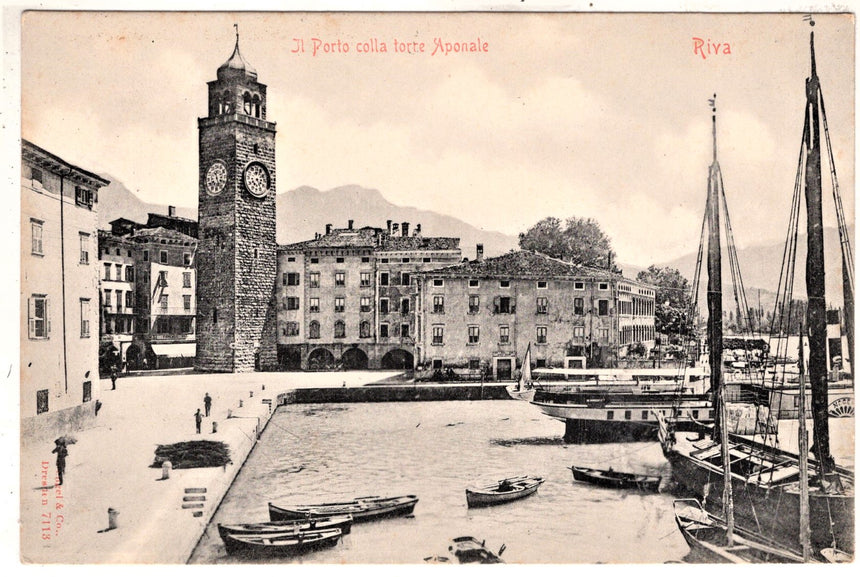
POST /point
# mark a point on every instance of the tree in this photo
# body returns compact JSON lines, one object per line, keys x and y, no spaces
{"x":672,"y":300}
{"x":580,"y":241}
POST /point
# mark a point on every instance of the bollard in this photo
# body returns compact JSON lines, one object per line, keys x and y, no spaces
{"x":214,"y":426}
{"x":240,"y":403}
{"x":165,"y":470}
{"x":250,"y":393}
{"x":264,"y":387}
{"x":112,"y":515}
{"x":229,"y":413}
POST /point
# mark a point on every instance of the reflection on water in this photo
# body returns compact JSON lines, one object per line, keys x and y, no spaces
{"x":319,"y":453}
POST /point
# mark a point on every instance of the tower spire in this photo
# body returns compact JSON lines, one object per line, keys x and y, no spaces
{"x":236,"y":62}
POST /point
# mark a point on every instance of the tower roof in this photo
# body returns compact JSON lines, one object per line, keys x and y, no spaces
{"x":237,"y":62}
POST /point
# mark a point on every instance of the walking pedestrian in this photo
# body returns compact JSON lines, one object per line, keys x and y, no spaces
{"x":113,"y":379}
{"x":198,"y":419}
{"x":61,"y":451}
{"x":207,"y":402}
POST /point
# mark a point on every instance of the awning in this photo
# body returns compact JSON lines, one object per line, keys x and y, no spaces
{"x":175,"y":349}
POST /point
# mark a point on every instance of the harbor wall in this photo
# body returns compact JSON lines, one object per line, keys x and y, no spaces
{"x":395,"y":393}
{"x":242,"y":429}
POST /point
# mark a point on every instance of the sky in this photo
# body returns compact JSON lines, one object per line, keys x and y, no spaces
{"x":602,"y":116}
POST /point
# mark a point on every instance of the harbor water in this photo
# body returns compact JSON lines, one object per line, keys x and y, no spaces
{"x":434,"y":450}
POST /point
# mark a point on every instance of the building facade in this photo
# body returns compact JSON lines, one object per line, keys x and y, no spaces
{"x":347,"y":299}
{"x":59,"y":293}
{"x":236,"y":211}
{"x":481,"y":316}
{"x":118,"y":305}
{"x":148,"y":294}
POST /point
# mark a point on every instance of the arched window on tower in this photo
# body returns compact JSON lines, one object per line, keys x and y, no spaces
{"x":248,"y":104}
{"x":314,"y":330}
{"x":256,"y":105}
{"x":226,"y":105}
{"x":339,"y":329}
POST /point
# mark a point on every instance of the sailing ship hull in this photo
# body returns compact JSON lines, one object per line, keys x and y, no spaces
{"x":772,"y":510}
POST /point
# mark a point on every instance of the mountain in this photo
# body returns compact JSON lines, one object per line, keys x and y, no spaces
{"x":760,"y":270}
{"x":117,"y":201}
{"x":305,"y":211}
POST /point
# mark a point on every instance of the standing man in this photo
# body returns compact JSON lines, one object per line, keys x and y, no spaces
{"x":198,"y":419}
{"x":207,"y":402}
{"x":61,"y":451}
{"x":113,"y":378}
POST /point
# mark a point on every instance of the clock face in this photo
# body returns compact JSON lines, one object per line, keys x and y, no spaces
{"x":257,"y":179}
{"x":216,"y":178}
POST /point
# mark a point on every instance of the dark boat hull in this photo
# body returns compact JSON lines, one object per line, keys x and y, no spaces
{"x":361,"y":511}
{"x":487,"y":497}
{"x":344,"y":523}
{"x":706,"y":536}
{"x":470,"y":550}
{"x":614,"y":480}
{"x":285,"y":546}
{"x":773,"y":511}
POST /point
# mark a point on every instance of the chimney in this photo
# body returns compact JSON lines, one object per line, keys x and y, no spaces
{"x":417,"y":229}
{"x":171,"y":211}
{"x":404,"y":229}
{"x":328,"y":229}
{"x":349,"y":224}
{"x":479,"y":253}
{"x":388,"y":224}
{"x":609,"y":260}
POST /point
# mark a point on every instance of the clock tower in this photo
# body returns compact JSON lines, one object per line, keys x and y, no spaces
{"x":236,"y":256}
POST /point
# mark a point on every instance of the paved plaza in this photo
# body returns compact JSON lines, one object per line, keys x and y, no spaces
{"x":109,"y":466}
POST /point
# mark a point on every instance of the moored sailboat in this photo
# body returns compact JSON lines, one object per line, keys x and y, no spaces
{"x":765,"y":484}
{"x":523,"y":389}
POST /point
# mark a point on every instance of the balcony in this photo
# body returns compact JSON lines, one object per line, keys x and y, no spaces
{"x":180,"y":311}
{"x":117,"y":310}
{"x":172,"y":337}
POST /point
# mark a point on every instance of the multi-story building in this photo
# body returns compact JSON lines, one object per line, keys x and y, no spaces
{"x":165,"y":293}
{"x":117,"y":260}
{"x":148,"y":293}
{"x":483,"y":314}
{"x":59,"y":293}
{"x":348,"y":297}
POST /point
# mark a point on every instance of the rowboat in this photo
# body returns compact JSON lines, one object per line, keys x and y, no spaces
{"x":281,"y":544}
{"x":707,"y":537}
{"x":616,"y":479}
{"x":502,"y":491}
{"x":342,"y":522}
{"x":470,"y":550}
{"x":361,"y":509}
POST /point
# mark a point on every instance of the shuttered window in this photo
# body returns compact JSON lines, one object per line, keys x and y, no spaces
{"x":38,"y":320}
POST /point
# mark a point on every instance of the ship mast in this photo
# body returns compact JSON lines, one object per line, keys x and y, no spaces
{"x":816,"y":310}
{"x":715,"y":281}
{"x":715,"y":323}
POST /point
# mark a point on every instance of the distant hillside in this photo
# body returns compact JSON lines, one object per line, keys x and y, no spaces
{"x":117,"y":201}
{"x":760,"y":267}
{"x":305,"y":211}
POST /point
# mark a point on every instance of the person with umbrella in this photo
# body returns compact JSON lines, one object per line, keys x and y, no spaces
{"x":62,"y":451}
